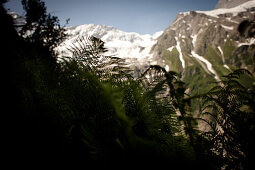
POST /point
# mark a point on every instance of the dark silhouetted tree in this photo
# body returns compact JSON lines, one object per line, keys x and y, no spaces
{"x":41,"y":28}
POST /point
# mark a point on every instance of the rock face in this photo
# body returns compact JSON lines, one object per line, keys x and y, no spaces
{"x":229,"y":3}
{"x":204,"y":45}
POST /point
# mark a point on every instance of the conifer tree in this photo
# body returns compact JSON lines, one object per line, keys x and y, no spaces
{"x":41,"y":28}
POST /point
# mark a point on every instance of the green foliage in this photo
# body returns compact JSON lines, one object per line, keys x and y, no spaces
{"x":214,"y":56}
{"x":89,"y":53}
{"x":129,"y":122}
{"x":172,"y":59}
{"x":228,"y":50}
{"x":229,"y":106}
{"x":197,"y":79}
{"x":41,"y":28}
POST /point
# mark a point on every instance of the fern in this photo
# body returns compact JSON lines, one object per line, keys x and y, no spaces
{"x":229,"y":122}
{"x":89,"y":52}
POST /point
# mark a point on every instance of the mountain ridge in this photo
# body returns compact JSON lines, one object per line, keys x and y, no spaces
{"x":202,"y":46}
{"x":135,"y":48}
{"x":229,"y":3}
{"x":199,"y":45}
{"x":188,"y":26}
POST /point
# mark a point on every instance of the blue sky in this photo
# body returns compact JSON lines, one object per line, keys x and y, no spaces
{"x":141,"y":16}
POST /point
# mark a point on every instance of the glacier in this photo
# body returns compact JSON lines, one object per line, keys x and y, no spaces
{"x":235,"y":10}
{"x":133,"y":47}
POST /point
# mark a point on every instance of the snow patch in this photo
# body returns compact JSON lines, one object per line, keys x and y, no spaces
{"x":185,"y":13}
{"x":223,"y":58}
{"x":157,"y":34}
{"x":230,"y":20}
{"x":194,"y":37}
{"x":178,"y":47}
{"x":208,"y":64}
{"x":241,"y":8}
{"x":222,"y":55}
{"x":227,"y":27}
{"x":171,"y":48}
{"x":249,"y":42}
{"x":167,"y":68}
{"x":226,"y":66}
{"x":154,"y":63}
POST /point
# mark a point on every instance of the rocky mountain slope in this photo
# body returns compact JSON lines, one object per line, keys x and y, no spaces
{"x":204,"y":45}
{"x":229,"y":3}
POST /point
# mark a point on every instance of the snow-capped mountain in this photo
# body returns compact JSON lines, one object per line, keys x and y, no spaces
{"x":200,"y":45}
{"x":135,"y":48}
{"x":204,"y":45}
{"x":229,"y":3}
{"x":188,"y":34}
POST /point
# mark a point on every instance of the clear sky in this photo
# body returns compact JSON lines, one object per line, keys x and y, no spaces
{"x":141,"y":16}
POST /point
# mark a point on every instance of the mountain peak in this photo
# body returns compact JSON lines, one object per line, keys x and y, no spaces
{"x":133,"y":47}
{"x":201,"y":44}
{"x":229,"y":3}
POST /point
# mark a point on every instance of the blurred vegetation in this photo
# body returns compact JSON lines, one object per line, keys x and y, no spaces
{"x":88,"y":110}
